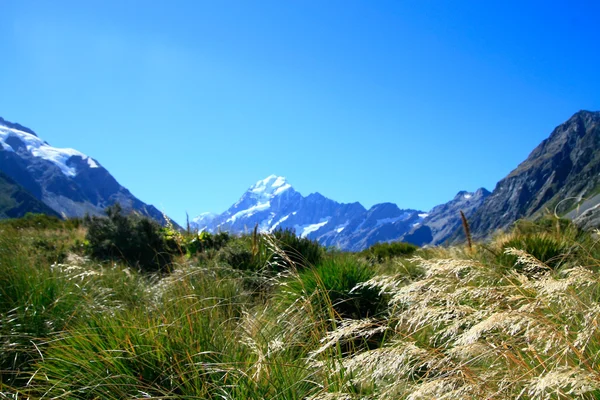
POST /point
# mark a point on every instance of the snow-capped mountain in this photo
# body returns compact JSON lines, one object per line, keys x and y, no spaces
{"x":66,"y":180}
{"x":273,"y":203}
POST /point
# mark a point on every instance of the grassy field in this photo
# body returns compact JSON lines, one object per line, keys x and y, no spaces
{"x":274,"y":317}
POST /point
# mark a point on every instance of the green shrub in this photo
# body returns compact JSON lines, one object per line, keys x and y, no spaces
{"x":330,"y":286}
{"x":205,"y":241}
{"x":385,"y":251}
{"x":546,"y":248}
{"x":132,"y":238}
{"x":41,"y":221}
{"x":302,"y":251}
{"x":238,"y":256}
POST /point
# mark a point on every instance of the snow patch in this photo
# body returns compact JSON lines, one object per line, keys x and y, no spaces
{"x":282,"y":189}
{"x":92,"y":163}
{"x":468,"y":196}
{"x":384,"y":221}
{"x":279,"y":181}
{"x":308,"y":229}
{"x":341,"y":228}
{"x":250,"y":211}
{"x":279,"y":222}
{"x":423,"y":215}
{"x":38,"y":148}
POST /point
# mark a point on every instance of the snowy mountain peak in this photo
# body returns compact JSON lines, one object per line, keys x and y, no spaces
{"x":14,"y":137}
{"x":272,"y":185}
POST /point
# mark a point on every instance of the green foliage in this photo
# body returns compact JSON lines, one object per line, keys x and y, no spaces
{"x":430,"y":326}
{"x":238,"y":255}
{"x":549,"y":250}
{"x":387,"y":250}
{"x":41,"y":222}
{"x":303,"y":252}
{"x":34,"y":303}
{"x":132,"y":238}
{"x":204,"y":241}
{"x":332,"y":285}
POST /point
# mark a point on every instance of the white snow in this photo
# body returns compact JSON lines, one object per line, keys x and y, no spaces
{"x":308,"y":229}
{"x":38,"y":148}
{"x":270,"y":186}
{"x":279,"y":222}
{"x":204,"y":217}
{"x":282,"y":189}
{"x":250,"y":211}
{"x":423,"y":215}
{"x":279,"y":181}
{"x":7,"y":147}
{"x":468,"y":196}
{"x":384,"y":221}
{"x":92,"y":163}
{"x":341,"y":228}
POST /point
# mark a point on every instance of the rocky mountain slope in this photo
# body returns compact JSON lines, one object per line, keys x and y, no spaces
{"x":65,"y":180}
{"x":443,"y":220}
{"x":273,"y":203}
{"x":16,"y":201}
{"x":560,"y":174}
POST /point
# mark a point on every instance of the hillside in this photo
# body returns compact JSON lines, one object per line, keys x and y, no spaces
{"x":16,"y":201}
{"x":67,"y":181}
{"x":562,"y":172}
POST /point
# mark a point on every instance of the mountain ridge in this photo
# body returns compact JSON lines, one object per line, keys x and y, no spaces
{"x":272,"y":203}
{"x":556,"y":176}
{"x":66,"y":180}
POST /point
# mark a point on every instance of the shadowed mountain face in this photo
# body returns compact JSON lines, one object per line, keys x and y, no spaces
{"x":443,"y":220}
{"x":562,"y":172}
{"x":272,"y":203}
{"x":65,"y":180}
{"x":16,"y":201}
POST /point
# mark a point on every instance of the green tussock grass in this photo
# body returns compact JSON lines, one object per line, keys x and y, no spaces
{"x":253,"y":318}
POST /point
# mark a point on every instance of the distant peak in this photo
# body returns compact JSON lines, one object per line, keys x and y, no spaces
{"x":464,"y":195}
{"x":271,"y":185}
{"x":482,"y":192}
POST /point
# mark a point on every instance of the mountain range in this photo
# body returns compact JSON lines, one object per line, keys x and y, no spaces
{"x":272,"y":203}
{"x":561,"y":175}
{"x":37,"y":177}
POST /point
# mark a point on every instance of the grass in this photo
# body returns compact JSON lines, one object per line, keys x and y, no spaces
{"x":517,"y":317}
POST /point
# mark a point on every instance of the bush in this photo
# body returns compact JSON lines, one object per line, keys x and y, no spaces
{"x":203,"y":241}
{"x":385,"y":251}
{"x":546,"y":248}
{"x":302,"y":251}
{"x":331,"y":284}
{"x":238,"y":256}
{"x":132,"y":238}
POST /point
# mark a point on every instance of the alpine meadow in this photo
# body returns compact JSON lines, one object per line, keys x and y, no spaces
{"x":340,"y":200}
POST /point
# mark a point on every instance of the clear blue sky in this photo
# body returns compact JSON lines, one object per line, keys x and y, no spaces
{"x":187,"y":103}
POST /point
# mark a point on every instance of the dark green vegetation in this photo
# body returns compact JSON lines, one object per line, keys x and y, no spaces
{"x":136,"y":240}
{"x":88,"y":311}
{"x":386,"y":251}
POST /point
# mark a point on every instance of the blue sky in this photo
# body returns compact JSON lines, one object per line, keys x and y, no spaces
{"x":188,"y":103}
